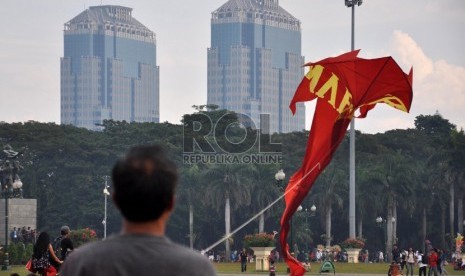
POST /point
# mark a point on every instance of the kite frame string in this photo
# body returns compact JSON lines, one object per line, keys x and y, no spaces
{"x":262,"y":211}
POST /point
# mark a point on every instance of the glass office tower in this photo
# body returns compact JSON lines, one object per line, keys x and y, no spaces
{"x":109,"y":69}
{"x":255,"y":62}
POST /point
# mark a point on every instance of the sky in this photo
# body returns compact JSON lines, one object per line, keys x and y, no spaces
{"x":426,"y":34}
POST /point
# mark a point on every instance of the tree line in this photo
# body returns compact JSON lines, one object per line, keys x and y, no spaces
{"x":413,"y":179}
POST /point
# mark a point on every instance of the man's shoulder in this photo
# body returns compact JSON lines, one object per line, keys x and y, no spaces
{"x":139,"y":253}
{"x":66,"y":240}
{"x":186,"y":254}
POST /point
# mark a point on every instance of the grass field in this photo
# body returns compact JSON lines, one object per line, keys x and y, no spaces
{"x":360,"y":268}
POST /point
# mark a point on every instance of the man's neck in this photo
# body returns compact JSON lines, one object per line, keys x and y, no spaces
{"x":156,"y":228}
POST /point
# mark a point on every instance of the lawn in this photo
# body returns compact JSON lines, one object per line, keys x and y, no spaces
{"x":361,"y":268}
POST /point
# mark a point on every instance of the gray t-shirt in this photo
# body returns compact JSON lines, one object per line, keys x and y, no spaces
{"x":135,"y":255}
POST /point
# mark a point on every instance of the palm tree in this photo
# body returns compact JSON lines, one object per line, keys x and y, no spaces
{"x":458,"y":143}
{"x":189,"y":190}
{"x":439,"y":132}
{"x":264,"y":190}
{"x":226,"y":184}
{"x":328,"y":194}
{"x":367,"y":197}
{"x":392,"y":174}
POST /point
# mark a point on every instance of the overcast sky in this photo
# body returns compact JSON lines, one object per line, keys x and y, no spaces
{"x":426,"y":34}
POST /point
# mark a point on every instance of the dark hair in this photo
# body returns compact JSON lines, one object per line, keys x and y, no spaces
{"x":64,"y":230}
{"x":41,"y":245}
{"x":144,"y":183}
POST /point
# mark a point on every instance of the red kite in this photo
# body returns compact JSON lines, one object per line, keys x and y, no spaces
{"x":342,"y":85}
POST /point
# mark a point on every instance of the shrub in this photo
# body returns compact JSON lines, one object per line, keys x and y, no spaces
{"x":259,"y":240}
{"x":82,"y":236}
{"x":353,"y":243}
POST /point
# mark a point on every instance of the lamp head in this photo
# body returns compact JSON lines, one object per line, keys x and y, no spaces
{"x":351,"y":3}
{"x":280,"y":175}
{"x":17,"y":184}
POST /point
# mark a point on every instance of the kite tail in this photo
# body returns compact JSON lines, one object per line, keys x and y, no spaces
{"x":294,"y":189}
{"x":296,"y":267}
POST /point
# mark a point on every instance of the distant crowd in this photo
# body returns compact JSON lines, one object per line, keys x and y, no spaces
{"x":404,"y":262}
{"x":24,"y":235}
{"x":432,"y":262}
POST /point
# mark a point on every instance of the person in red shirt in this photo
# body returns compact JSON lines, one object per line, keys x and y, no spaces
{"x":433,"y":262}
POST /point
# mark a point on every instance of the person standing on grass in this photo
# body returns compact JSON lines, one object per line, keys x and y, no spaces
{"x":272,"y":268}
{"x":442,"y":262}
{"x":410,"y":258}
{"x":243,"y":257}
{"x":42,"y":254}
{"x":144,"y":183}
{"x":381,"y":257}
{"x":396,"y":254}
{"x":422,"y":263}
{"x":433,"y":262}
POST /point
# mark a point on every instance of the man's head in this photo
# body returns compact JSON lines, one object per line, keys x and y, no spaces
{"x":144,"y":183}
{"x":64,"y":230}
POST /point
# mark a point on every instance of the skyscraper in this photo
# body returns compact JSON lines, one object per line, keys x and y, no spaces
{"x":109,"y":69}
{"x":255,"y":62}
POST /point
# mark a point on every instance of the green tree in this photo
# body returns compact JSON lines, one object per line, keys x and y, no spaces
{"x":264,"y":190}
{"x":228,"y":186}
{"x":190,"y":192}
{"x":328,"y":195}
{"x":392,"y":176}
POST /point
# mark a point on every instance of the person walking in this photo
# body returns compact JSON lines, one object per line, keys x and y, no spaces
{"x":422,"y":263}
{"x":62,"y":245}
{"x":433,"y":262}
{"x":42,"y":254}
{"x":243,"y":257}
{"x":403,"y":259}
{"x":381,"y":257}
{"x":442,"y":263}
{"x":272,"y":268}
{"x":144,"y":184}
{"x":396,"y":254}
{"x":66,"y":244}
{"x":410,"y":258}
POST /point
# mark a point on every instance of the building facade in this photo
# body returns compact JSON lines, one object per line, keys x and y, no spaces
{"x":109,"y":69}
{"x":255,"y":62}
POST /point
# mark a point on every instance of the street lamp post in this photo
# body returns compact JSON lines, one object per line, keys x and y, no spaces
{"x":351,"y":4}
{"x":292,"y":230}
{"x":6,"y":194}
{"x":312,"y":210}
{"x":9,"y":175}
{"x":106,"y":193}
{"x":307,"y":214}
{"x":279,"y":176}
{"x":382,"y":224}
